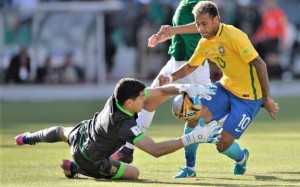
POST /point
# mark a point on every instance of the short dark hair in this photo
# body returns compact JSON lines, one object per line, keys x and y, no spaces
{"x":128,"y":88}
{"x":204,"y":7}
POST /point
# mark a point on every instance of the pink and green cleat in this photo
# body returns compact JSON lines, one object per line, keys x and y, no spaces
{"x":69,"y":168}
{"x":22,"y":139}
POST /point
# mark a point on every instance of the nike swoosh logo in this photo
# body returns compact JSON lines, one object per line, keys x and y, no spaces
{"x":191,"y":175}
{"x":237,"y":130}
{"x":246,"y":51}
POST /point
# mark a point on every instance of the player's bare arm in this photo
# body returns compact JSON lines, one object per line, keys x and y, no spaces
{"x":261,"y":70}
{"x":148,"y":145}
{"x":159,"y":95}
{"x":164,"y":34}
{"x":168,"y":30}
{"x":183,"y":71}
{"x":206,"y":134}
{"x":156,"y":96}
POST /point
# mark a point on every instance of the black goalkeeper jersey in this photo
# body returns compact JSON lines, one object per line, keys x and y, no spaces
{"x":108,"y":131}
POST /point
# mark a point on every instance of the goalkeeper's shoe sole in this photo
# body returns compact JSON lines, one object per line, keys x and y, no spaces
{"x":240,"y":169}
{"x":68,"y":168}
{"x":21,"y":139}
{"x":185,"y":173}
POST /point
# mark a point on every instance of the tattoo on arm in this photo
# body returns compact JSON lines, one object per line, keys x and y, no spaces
{"x":261,"y":70}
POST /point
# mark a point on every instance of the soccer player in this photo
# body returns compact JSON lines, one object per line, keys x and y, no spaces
{"x":242,"y":90}
{"x":93,"y":141}
{"x":181,"y":49}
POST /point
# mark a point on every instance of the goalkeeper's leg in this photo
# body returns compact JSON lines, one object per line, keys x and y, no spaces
{"x":49,"y":135}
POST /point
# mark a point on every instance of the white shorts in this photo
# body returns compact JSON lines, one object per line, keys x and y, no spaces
{"x":200,"y":76}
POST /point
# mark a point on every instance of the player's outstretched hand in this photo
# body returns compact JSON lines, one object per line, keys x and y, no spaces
{"x":202,"y":134}
{"x":207,"y":133}
{"x":157,"y":38}
{"x":194,"y":90}
{"x":271,"y":107}
{"x":153,"y":40}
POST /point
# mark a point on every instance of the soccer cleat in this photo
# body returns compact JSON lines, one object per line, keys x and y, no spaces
{"x":239,"y":169}
{"x":185,"y":173}
{"x":69,"y":168}
{"x":124,"y":154}
{"x":21,"y":139}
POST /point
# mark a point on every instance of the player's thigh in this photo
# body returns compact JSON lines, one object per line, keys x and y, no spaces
{"x":242,"y":113}
{"x":219,"y":105}
{"x":113,"y":169}
{"x":166,"y":70}
{"x":106,"y":168}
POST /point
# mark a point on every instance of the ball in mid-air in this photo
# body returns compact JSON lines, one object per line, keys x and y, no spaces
{"x":185,"y":108}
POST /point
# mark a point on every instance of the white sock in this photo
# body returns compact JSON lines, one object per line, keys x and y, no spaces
{"x":191,"y":168}
{"x":144,"y":120}
{"x":129,"y":145}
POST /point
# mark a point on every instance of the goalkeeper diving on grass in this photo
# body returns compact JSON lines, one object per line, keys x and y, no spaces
{"x":92,"y":142}
{"x":181,"y":48}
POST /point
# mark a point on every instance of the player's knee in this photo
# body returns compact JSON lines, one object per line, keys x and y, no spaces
{"x":223,"y":144}
{"x":135,"y":174}
{"x":131,"y":172}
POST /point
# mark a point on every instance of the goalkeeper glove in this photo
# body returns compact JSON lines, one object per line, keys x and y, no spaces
{"x":194,"y":90}
{"x":202,"y":134}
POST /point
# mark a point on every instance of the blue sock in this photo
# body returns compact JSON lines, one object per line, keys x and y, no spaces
{"x":190,"y":151}
{"x":234,"y":152}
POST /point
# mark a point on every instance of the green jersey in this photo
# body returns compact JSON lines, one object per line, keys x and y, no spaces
{"x":183,"y":45}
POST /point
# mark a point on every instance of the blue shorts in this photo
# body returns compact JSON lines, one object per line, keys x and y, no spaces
{"x":240,"y":111}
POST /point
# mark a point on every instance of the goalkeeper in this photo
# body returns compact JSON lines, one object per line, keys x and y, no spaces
{"x":93,"y":141}
{"x":181,"y":49}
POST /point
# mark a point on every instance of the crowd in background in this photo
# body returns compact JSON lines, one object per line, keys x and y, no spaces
{"x":274,"y":30}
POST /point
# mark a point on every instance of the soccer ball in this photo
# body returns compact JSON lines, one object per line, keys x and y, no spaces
{"x":185,"y":108}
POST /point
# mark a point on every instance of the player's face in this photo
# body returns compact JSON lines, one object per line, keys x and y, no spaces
{"x":207,"y":26}
{"x":138,"y":103}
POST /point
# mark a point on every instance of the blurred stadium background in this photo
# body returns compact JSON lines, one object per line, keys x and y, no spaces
{"x":104,"y":42}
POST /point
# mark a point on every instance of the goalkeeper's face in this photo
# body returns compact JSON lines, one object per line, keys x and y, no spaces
{"x":136,"y":105}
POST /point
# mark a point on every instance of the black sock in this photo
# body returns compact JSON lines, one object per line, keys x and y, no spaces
{"x":50,"y":135}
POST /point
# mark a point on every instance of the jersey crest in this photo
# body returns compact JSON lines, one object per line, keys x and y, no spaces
{"x":221,"y":50}
{"x":113,"y":169}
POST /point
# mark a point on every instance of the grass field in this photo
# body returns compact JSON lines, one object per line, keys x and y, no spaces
{"x":274,"y":149}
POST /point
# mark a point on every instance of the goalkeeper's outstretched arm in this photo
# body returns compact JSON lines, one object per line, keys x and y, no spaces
{"x":198,"y":135}
{"x":156,"y":96}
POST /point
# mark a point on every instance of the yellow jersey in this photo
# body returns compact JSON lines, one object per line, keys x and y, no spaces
{"x":231,"y":50}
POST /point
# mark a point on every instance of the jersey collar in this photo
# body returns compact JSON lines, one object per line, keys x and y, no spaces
{"x":123,"y":110}
{"x":221,"y":27}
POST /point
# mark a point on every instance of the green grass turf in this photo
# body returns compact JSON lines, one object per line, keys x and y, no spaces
{"x":274,"y":149}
